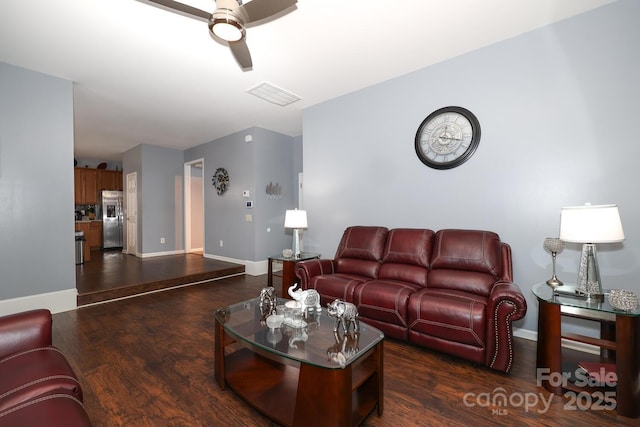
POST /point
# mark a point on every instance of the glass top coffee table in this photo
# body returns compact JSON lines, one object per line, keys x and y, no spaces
{"x":299,"y":376}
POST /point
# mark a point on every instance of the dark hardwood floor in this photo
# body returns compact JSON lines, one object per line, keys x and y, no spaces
{"x":148,"y":361}
{"x":112,"y":274}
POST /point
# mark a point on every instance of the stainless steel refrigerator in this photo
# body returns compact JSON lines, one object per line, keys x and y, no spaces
{"x":112,"y":219}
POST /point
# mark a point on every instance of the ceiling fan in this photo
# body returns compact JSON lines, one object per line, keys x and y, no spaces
{"x":227,"y":22}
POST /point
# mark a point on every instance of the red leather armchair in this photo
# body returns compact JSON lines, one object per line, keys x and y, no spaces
{"x":36,"y":380}
{"x":450,"y":291}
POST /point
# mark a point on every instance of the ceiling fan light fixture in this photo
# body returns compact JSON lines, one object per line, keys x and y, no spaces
{"x":227,"y":29}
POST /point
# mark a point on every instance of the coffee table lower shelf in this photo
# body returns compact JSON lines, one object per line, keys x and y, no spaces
{"x":297,"y":394}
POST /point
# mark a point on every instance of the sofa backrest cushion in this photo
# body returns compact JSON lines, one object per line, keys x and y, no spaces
{"x":360,"y":250}
{"x":466,"y":260}
{"x":407,"y":255}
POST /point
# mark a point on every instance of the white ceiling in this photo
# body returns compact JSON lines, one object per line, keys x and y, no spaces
{"x":145,"y":75}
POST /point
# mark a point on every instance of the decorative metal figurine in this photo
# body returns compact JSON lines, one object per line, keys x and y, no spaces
{"x":554,"y":246}
{"x":345,"y":313}
{"x":309,"y":298}
{"x":622,"y":299}
{"x":268,"y":301}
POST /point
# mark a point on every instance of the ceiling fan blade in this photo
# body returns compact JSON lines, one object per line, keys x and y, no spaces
{"x":182,"y":8}
{"x":240,"y":51}
{"x":260,"y":9}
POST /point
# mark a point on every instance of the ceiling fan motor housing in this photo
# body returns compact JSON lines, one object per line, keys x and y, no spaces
{"x":227,"y":21}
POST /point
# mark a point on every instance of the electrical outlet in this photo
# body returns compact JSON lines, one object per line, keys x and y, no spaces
{"x":221,"y":243}
{"x":162,"y":240}
{"x":248,"y":217}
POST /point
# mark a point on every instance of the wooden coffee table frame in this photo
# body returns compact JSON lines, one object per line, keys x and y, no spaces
{"x":296,"y":393}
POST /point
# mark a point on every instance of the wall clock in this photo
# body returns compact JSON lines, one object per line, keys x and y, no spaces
{"x":447,"y":138}
{"x":220,"y":180}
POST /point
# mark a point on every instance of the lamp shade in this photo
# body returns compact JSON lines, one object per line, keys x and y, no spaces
{"x":295,"y":219}
{"x":591,"y":224}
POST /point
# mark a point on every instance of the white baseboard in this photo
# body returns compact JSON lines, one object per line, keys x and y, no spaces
{"x":154,"y":254}
{"x":252,"y":268}
{"x":573,"y":345}
{"x":55,"y":302}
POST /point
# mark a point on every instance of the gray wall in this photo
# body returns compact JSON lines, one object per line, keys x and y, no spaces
{"x":558,"y":109}
{"x":160,"y":194}
{"x":251,"y":166}
{"x":274,"y":164}
{"x":297,"y":168}
{"x":36,"y":183}
{"x":162,"y":199}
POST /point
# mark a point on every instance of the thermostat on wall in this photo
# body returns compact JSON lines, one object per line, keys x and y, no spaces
{"x":249,"y":204}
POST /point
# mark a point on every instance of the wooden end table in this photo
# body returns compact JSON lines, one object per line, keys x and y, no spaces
{"x":288,"y":270}
{"x":619,"y":342}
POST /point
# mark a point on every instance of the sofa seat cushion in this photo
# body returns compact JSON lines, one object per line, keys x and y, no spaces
{"x":55,"y":410}
{"x":332,"y":286}
{"x":384,"y":300}
{"x":34,"y":373}
{"x":449,"y":315}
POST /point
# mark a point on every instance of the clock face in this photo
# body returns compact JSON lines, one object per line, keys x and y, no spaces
{"x":447,"y":137}
{"x":220,"y":180}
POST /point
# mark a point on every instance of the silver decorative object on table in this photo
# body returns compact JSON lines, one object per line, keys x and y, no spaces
{"x":267,"y":301}
{"x":554,"y":246}
{"x":345,"y":313}
{"x":308,"y":299}
{"x":622,"y":299}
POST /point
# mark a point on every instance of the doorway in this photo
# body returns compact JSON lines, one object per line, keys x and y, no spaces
{"x":194,"y":207}
{"x":131,"y":213}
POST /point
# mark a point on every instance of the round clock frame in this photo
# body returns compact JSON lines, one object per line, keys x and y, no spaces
{"x":220,"y":180}
{"x":447,"y":138}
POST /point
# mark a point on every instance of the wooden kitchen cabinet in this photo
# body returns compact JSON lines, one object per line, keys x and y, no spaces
{"x":86,"y":186}
{"x":95,"y":235}
{"x":109,"y":180}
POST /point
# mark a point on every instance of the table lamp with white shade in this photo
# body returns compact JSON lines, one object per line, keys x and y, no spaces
{"x":589,"y":225}
{"x":296,"y":220}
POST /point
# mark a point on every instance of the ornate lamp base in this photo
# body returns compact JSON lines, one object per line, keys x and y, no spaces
{"x":554,"y":282}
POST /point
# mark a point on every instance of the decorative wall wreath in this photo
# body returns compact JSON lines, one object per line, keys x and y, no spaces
{"x":220,"y":180}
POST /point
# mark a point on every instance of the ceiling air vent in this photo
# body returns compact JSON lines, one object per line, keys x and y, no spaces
{"x":273,"y":94}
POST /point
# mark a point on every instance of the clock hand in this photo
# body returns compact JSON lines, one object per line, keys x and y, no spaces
{"x":449,"y":138}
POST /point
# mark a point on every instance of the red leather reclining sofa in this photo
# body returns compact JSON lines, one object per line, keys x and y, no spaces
{"x":450,"y":290}
{"x":37,"y":385}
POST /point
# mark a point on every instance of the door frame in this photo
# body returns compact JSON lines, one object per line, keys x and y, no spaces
{"x":132,"y":176}
{"x":188,"y":166}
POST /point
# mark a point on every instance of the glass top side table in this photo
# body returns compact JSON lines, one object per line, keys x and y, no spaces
{"x":566,"y":296}
{"x":288,"y":269}
{"x":619,"y":343}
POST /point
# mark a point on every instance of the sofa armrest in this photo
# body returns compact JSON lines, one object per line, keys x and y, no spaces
{"x":508,"y":291}
{"x":506,"y":304}
{"x":306,"y":270}
{"x":24,"y":331}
